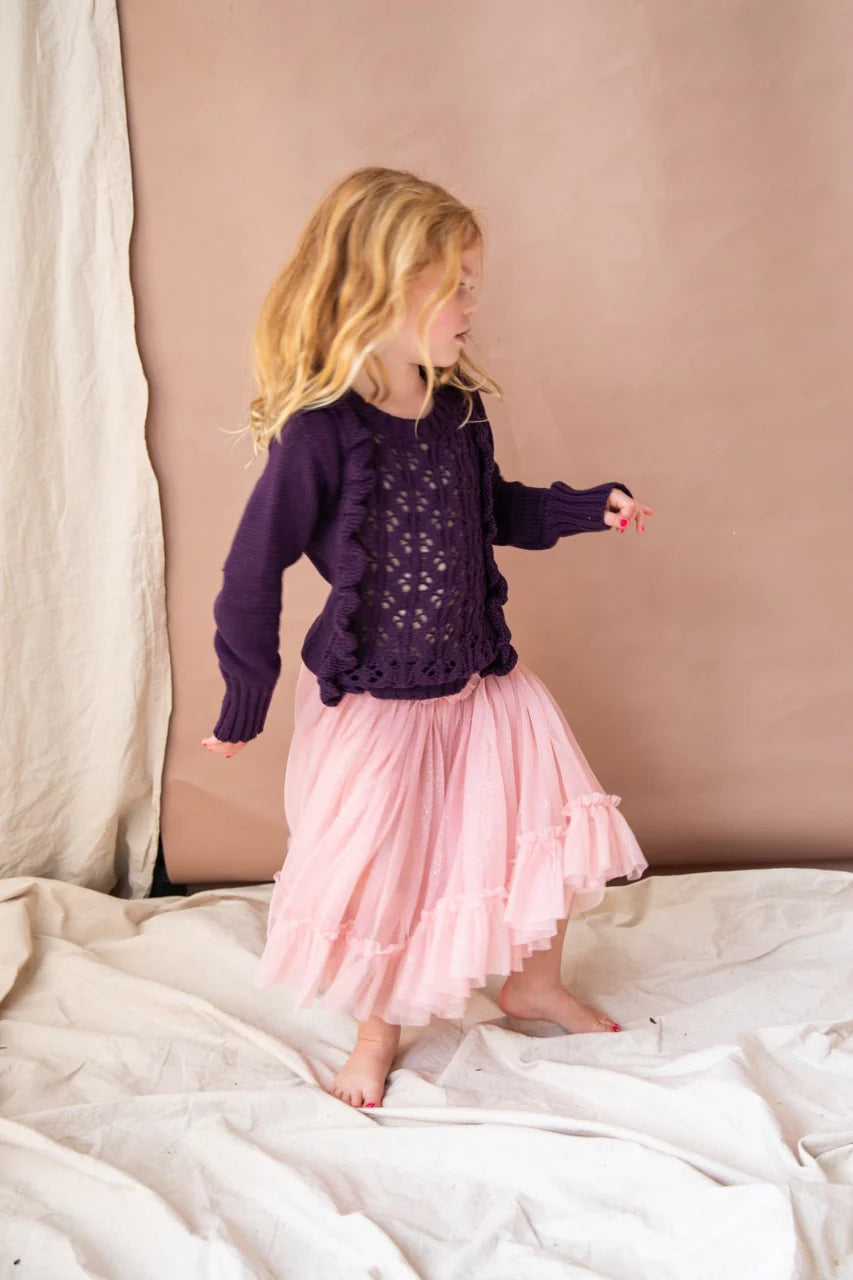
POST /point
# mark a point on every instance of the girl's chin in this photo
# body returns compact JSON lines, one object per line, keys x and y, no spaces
{"x":447,"y":359}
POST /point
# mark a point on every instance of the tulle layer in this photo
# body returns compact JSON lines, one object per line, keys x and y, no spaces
{"x":434,"y":843}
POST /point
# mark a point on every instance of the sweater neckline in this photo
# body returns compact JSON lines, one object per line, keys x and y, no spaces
{"x":443,"y":409}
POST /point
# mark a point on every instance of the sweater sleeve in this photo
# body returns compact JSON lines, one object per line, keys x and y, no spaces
{"x":293,"y":495}
{"x":536,"y":518}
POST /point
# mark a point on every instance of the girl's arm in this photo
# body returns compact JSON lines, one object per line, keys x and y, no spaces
{"x":535,"y":518}
{"x":295,"y":492}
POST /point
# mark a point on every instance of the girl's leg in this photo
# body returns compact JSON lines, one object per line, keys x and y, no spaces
{"x":361,"y":1081}
{"x":537,"y":992}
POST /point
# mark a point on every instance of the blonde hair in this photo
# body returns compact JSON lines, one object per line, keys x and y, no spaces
{"x":343,"y":292}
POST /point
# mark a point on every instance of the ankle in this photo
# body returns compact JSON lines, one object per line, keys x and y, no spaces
{"x":378,"y":1039}
{"x":521,"y":984}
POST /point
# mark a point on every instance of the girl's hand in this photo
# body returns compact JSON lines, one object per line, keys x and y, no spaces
{"x":227,"y":749}
{"x":626,"y":509}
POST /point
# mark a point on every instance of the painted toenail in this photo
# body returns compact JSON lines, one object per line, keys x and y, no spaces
{"x":370,"y":1104}
{"x":616,"y":1026}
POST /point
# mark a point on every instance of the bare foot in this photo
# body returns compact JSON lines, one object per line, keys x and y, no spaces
{"x":361,"y":1081}
{"x":552,"y":1004}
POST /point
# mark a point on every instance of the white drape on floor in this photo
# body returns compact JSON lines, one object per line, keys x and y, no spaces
{"x":85,"y":684}
{"x":162,"y":1117}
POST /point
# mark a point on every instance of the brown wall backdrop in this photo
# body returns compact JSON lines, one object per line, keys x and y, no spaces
{"x":667,"y":192}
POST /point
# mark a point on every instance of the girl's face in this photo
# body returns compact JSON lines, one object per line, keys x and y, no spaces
{"x":452,"y":323}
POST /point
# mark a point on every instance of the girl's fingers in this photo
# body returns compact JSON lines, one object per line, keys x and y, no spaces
{"x":227,"y":749}
{"x":621,"y":520}
{"x":619,"y":517}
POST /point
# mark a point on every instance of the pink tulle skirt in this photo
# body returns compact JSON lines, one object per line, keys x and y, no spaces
{"x":433,"y":843}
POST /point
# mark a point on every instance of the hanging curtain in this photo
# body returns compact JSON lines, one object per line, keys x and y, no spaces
{"x":85,"y":688}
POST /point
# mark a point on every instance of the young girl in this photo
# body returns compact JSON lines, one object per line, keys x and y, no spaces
{"x":444,"y":823}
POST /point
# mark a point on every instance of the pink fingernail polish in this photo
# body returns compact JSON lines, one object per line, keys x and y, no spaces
{"x":623,"y":523}
{"x":616,"y":1027}
{"x":370,"y":1104}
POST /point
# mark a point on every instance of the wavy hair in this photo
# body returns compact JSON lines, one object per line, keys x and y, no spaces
{"x":343,"y":292}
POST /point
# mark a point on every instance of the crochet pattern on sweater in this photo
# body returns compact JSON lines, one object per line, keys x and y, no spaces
{"x":402,"y":526}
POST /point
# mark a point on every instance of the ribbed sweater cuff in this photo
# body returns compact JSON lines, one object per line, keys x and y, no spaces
{"x":578,"y":510}
{"x":244,"y":710}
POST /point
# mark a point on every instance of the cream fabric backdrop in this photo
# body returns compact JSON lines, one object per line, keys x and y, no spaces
{"x":85,"y":671}
{"x":161,"y":1117}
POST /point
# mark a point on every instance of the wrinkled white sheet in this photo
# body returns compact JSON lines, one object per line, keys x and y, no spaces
{"x":84,"y":679}
{"x":161,"y":1117}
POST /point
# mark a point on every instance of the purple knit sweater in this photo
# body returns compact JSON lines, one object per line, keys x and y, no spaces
{"x":402,"y":528}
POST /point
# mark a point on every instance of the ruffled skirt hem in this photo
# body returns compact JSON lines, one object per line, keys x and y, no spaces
{"x":557,"y":871}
